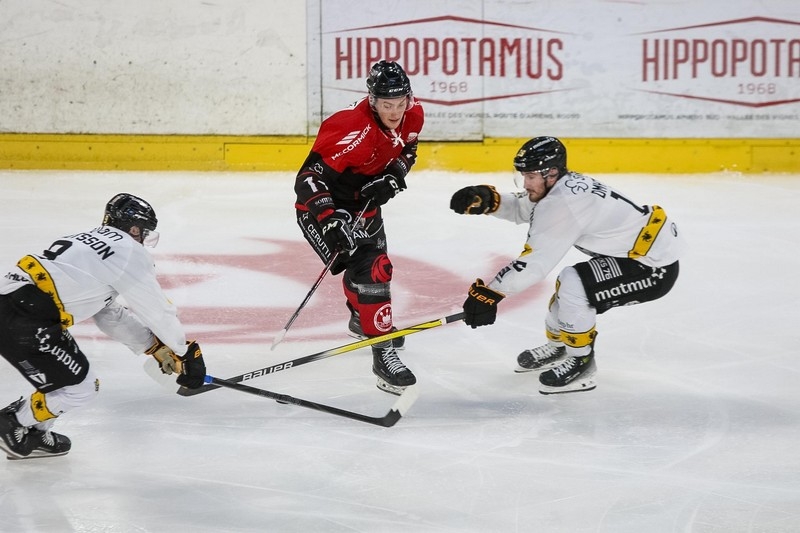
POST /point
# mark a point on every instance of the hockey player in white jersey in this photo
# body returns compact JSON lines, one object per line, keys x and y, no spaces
{"x":634,"y":253}
{"x":76,"y":278}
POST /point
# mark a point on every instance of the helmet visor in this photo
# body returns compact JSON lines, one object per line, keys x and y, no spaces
{"x":150,"y":238}
{"x":519,"y":177}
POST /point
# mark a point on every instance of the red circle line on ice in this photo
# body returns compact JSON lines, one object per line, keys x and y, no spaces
{"x":421,"y":291}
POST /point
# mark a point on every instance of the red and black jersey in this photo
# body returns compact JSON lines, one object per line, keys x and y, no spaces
{"x":351,"y":149}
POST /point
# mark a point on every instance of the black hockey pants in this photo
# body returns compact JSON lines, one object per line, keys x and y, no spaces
{"x":34,"y":342}
{"x":614,"y":282}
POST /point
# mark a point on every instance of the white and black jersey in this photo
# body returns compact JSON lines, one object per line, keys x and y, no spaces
{"x":84,"y":273}
{"x":582,"y":212}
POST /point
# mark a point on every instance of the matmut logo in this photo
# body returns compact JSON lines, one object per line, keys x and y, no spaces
{"x":454,"y":60}
{"x":751,"y":62}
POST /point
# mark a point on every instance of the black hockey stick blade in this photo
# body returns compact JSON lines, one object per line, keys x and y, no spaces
{"x":183,"y":391}
{"x":400,"y":407}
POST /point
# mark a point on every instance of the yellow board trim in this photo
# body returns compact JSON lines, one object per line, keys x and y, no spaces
{"x":41,"y":277}
{"x":39,"y":407}
{"x":649,"y":233}
{"x":27,"y":151}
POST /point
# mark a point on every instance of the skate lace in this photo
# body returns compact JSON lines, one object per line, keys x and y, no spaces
{"x":543,"y":353}
{"x":392,"y":362}
{"x":19,"y":433}
{"x":565,"y":367}
{"x":48,"y":439}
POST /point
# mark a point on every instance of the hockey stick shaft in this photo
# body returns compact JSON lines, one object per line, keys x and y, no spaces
{"x":400,"y":407}
{"x":279,"y":337}
{"x":183,"y":391}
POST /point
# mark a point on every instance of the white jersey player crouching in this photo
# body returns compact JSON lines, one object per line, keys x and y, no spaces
{"x":76,"y":278}
{"x":634,"y":250}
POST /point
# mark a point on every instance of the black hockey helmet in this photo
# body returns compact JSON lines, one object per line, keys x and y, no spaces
{"x":134,"y":216}
{"x":541,"y":154}
{"x":387,"y":79}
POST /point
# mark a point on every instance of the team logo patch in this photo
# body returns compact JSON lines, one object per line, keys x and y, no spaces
{"x":381,"y":269}
{"x":576,"y":184}
{"x":383,"y":318}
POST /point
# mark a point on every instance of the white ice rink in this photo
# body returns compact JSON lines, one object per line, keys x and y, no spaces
{"x":694,"y":425}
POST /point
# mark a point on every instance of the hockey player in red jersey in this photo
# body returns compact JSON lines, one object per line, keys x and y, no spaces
{"x":634,"y":253}
{"x":78,"y":277}
{"x":359,"y":162}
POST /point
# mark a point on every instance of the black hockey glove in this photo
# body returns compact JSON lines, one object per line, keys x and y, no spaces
{"x":193,"y":373}
{"x":383,"y":189}
{"x":480,"y":307}
{"x":475,"y":200}
{"x":337,"y":231}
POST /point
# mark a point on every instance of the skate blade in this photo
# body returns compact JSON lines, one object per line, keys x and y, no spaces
{"x":581,"y":386}
{"x":547,"y":366}
{"x":10,"y":455}
{"x":35,"y":454}
{"x":391,"y":389}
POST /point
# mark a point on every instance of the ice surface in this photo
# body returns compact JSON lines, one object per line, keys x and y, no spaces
{"x":694,"y":425}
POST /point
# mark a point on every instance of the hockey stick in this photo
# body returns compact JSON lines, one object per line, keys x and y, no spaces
{"x":183,"y":391}
{"x":400,"y":407}
{"x":279,"y":337}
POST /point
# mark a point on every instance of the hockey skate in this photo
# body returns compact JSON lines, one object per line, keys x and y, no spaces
{"x":393,"y":376}
{"x":48,"y":443}
{"x":541,"y":358}
{"x":574,"y":374}
{"x":20,"y":442}
{"x":355,"y":331}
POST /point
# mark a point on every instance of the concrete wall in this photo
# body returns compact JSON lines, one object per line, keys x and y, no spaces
{"x":153,"y":66}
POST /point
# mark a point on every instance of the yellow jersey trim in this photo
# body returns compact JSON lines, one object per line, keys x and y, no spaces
{"x":41,"y":277}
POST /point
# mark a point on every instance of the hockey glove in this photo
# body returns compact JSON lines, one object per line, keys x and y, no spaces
{"x":383,"y":189}
{"x":193,"y":373}
{"x":475,"y":200}
{"x":480,"y":307}
{"x":337,"y":231}
{"x":168,"y":361}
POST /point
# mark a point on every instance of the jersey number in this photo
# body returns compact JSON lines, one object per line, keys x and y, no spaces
{"x":643,"y":209}
{"x":312,"y":183}
{"x":56,"y":249}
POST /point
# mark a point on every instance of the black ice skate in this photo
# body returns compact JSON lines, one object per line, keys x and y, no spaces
{"x":13,"y":435}
{"x":355,"y":331}
{"x":540,"y":358}
{"x":393,"y":376}
{"x":47,"y":443}
{"x":574,"y":374}
{"x":20,"y":442}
